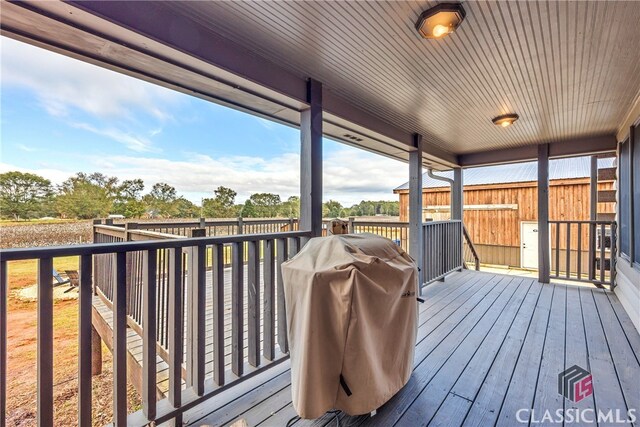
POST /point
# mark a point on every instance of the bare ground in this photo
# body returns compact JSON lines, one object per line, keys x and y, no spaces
{"x":21,"y":372}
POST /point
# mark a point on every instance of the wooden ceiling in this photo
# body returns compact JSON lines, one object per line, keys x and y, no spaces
{"x":569,"y":69}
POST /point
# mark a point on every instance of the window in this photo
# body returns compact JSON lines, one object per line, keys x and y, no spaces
{"x":625,"y":200}
{"x":636,"y":195}
{"x":630,"y":194}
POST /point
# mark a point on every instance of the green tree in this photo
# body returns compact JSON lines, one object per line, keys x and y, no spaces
{"x":25,"y":195}
{"x":371,"y":208}
{"x":248,"y":210}
{"x":332,"y":209}
{"x":128,"y":201}
{"x":291,"y":207}
{"x":86,"y":196}
{"x":161,"y":200}
{"x":265,"y":204}
{"x":222,"y":205}
{"x":183,"y":208}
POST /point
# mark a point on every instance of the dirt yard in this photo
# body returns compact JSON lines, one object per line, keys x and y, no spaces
{"x":21,"y":372}
{"x":22,"y":348}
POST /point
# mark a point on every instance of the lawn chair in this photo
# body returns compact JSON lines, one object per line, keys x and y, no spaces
{"x":59,"y":279}
{"x":74,"y":278}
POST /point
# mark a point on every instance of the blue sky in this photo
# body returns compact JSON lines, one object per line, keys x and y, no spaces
{"x":61,"y":116}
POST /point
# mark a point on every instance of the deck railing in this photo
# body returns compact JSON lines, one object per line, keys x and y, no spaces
{"x":470,"y":254}
{"x":442,"y":249}
{"x":217,"y":227}
{"x":393,"y":230}
{"x":584,"y":251}
{"x":137,"y":231}
{"x":186,"y":262}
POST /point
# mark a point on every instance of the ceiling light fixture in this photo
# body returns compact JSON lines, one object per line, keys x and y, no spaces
{"x":505,"y":120}
{"x":440,"y":20}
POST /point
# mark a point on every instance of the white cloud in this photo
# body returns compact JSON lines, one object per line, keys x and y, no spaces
{"x":62,"y":84}
{"x":349,"y":175}
{"x":129,"y":140}
{"x":56,"y":176}
{"x":25,"y":148}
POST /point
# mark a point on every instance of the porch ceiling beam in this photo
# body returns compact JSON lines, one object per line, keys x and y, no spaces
{"x":154,"y":35}
{"x":573,"y":147}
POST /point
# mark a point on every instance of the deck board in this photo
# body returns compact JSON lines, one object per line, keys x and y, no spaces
{"x":487,"y":346}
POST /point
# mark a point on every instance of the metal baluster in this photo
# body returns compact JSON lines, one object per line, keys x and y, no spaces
{"x":253,"y":313}
{"x":120,"y":340}
{"x":175,"y":329}
{"x":237,"y":303}
{"x":149,"y":296}
{"x":269,"y":274}
{"x":84,"y":341}
{"x":579,"y":250}
{"x":218,"y":313}
{"x":282,"y":318}
{"x":602,"y":246}
{"x":568,"y":260}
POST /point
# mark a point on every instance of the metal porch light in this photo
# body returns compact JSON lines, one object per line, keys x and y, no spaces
{"x":505,"y":120}
{"x":440,"y":20}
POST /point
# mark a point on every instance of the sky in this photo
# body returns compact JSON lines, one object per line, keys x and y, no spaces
{"x":60,"y":116}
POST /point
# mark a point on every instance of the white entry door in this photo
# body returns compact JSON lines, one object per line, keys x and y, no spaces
{"x":529,"y":245}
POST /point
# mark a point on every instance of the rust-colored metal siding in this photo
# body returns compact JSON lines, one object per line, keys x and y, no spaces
{"x":569,"y":200}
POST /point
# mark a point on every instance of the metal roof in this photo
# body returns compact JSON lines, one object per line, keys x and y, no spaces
{"x":569,"y":168}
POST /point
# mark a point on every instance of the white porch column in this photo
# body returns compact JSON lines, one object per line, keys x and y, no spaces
{"x":311,"y":161}
{"x":544,"y":267}
{"x":416,"y":235}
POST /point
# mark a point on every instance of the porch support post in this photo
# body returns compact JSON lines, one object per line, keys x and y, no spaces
{"x":311,"y":161}
{"x":457,"y":207}
{"x":543,"y":214}
{"x":457,"y":194}
{"x":416,"y":235}
{"x":593,"y":215}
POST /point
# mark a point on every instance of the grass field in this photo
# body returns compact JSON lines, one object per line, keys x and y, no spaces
{"x":22,"y":353}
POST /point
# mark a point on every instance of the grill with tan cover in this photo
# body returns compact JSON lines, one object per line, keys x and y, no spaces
{"x":352,"y":323}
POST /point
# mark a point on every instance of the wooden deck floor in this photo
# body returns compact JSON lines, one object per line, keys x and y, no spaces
{"x":488,"y":345}
{"x":134,"y":340}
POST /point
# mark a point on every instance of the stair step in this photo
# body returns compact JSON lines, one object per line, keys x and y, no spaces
{"x":606,"y":196}
{"x":606,"y":217}
{"x":607,"y":174}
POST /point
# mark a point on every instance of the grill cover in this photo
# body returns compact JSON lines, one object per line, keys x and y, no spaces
{"x":351,"y":314}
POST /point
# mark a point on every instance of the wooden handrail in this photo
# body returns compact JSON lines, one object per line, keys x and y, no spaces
{"x":471,"y":247}
{"x":17,"y":254}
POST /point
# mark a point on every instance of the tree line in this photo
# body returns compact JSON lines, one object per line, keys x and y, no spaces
{"x":95,"y":195}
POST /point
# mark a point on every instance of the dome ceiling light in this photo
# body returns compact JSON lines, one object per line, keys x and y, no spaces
{"x":440,"y":20}
{"x":505,"y":120}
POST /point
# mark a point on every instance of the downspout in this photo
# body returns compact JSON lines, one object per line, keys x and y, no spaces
{"x":445,"y":179}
